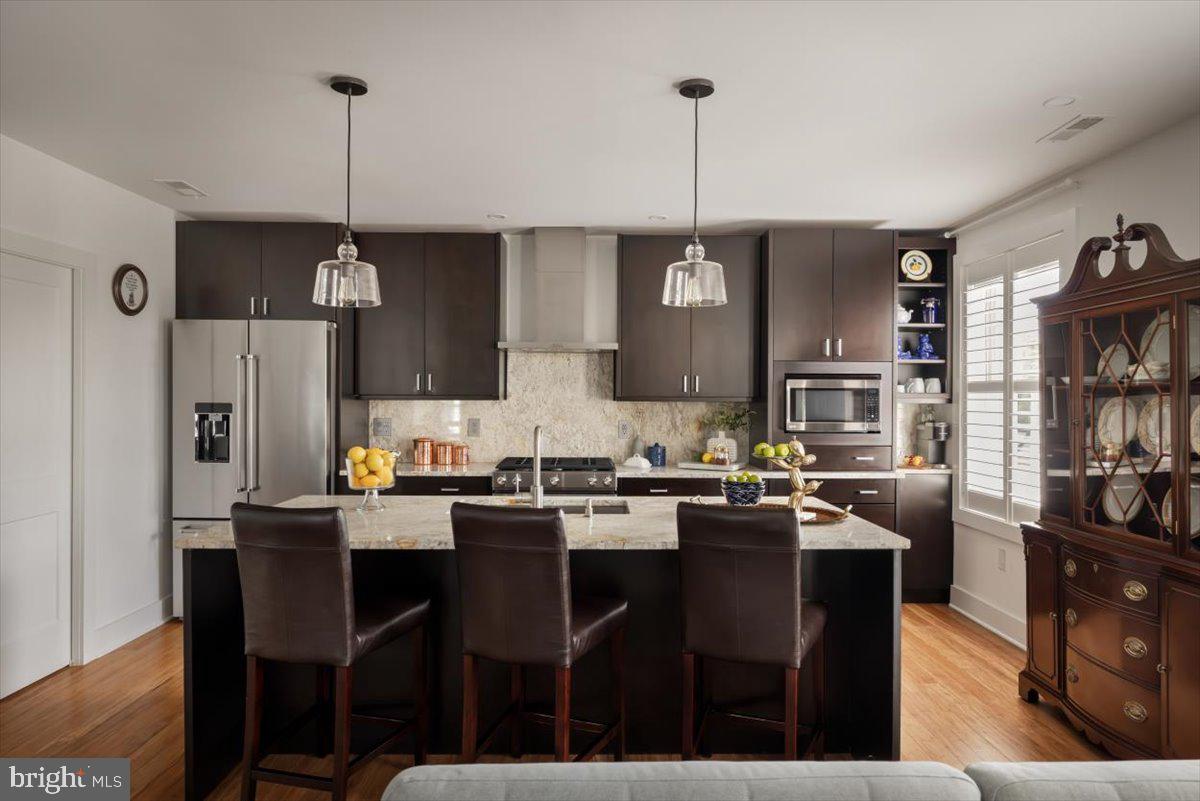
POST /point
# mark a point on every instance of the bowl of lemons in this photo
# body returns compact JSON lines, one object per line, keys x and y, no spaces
{"x":370,"y":470}
{"x":743,"y":489}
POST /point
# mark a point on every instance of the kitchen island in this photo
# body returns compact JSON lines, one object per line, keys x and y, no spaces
{"x":407,"y":548}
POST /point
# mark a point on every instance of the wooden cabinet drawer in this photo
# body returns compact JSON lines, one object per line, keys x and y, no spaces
{"x":684,"y":487}
{"x":1123,"y":706}
{"x":858,"y":490}
{"x":1121,"y":641}
{"x":847,"y":457}
{"x":1123,"y":587}
{"x":443,"y":485}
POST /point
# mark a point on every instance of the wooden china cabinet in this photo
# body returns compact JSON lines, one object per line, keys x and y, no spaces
{"x":1113,"y":564}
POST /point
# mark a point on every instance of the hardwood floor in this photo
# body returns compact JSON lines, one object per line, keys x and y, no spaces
{"x":959,"y":705}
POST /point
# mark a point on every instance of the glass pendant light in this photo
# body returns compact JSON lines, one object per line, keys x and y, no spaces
{"x":346,"y":281}
{"x":695,"y":281}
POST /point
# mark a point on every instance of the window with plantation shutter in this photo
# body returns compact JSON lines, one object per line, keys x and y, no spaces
{"x":1000,"y":415}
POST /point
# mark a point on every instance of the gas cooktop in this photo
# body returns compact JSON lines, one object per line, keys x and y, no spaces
{"x":560,"y":474}
{"x":557,"y":463}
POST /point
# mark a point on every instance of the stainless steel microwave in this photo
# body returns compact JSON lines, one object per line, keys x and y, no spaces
{"x":833,"y":403}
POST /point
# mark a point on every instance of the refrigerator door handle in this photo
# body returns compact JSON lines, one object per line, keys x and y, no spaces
{"x":252,"y":420}
{"x":239,"y":423}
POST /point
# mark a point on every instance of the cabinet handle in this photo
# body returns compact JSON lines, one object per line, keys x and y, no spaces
{"x":1160,"y":667}
{"x":1072,"y":618}
{"x":685,"y":384}
{"x":418,"y":383}
{"x":1072,"y":674}
{"x":838,"y":347}
{"x":1135,"y":647}
{"x":1135,"y":590}
{"x":696,"y":384}
{"x":825,"y":347}
{"x":429,"y":382}
{"x":1135,"y":711}
{"x":253,"y":305}
{"x":266,"y":306}
{"x":864,"y":458}
{"x":449,"y":489}
{"x":1070,"y":568}
{"x":658,"y":491}
{"x":1054,"y":617}
{"x":866,"y":492}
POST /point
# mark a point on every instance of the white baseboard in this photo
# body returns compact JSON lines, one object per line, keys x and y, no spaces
{"x":996,"y":620}
{"x":110,"y":636}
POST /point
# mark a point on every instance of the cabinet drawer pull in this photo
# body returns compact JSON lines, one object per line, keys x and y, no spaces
{"x":825,"y":348}
{"x":1135,"y":591}
{"x":449,"y":489}
{"x":418,"y":383}
{"x":266,"y":306}
{"x":696,"y":384}
{"x":1072,"y":674}
{"x":864,"y":458}
{"x":685,"y":384}
{"x":1071,"y":617}
{"x":866,"y":492}
{"x":838,"y":347}
{"x":1135,"y":711}
{"x":658,"y":490}
{"x":1135,"y":647}
{"x":429,"y":383}
{"x":1070,"y":568}
{"x":253,"y":305}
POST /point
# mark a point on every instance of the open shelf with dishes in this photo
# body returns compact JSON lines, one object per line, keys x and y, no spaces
{"x":923,"y":301}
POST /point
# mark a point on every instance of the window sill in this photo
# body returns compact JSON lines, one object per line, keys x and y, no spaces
{"x":1002,"y":529}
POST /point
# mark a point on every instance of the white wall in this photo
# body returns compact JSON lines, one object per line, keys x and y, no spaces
{"x":1156,"y":180}
{"x":126,"y":478}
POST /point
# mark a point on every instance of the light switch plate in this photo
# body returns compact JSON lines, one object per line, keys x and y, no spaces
{"x":381,"y":426}
{"x":624,"y":429}
{"x":473,"y":427}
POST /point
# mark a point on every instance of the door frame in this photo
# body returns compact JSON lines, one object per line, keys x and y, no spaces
{"x":79,"y":262}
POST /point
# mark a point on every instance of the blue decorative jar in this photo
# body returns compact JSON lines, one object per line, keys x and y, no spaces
{"x":657,"y":454}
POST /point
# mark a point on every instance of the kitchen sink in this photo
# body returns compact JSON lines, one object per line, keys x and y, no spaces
{"x":598,"y":507}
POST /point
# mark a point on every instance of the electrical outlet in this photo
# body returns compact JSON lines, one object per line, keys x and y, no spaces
{"x":381,"y":426}
{"x":624,"y":429}
{"x":473,"y":427}
{"x":1002,"y":560}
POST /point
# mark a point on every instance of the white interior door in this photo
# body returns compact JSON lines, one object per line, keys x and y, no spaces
{"x":35,"y":470}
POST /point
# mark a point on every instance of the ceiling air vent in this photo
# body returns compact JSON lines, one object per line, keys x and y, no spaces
{"x":1071,"y":129}
{"x":180,"y":187}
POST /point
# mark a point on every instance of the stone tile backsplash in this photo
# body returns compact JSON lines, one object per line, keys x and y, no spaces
{"x":568,"y":394}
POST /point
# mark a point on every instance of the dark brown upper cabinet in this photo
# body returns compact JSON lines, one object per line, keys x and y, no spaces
{"x":668,"y":353}
{"x":245,"y":270}
{"x":435,"y":334}
{"x":831,"y":294}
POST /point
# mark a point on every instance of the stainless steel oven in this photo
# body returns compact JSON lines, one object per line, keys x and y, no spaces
{"x":829,"y":403}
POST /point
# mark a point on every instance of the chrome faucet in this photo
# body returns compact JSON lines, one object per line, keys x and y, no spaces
{"x":535,"y":490}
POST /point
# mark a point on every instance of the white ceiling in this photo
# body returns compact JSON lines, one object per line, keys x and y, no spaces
{"x":902,"y":114}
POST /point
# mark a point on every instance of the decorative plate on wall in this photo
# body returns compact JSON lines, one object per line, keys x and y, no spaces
{"x":129,"y":289}
{"x":916,"y":265}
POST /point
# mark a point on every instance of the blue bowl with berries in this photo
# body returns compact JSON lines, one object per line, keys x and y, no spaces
{"x":743,"y":489}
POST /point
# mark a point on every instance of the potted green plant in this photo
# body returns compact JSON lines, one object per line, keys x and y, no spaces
{"x":726,"y":418}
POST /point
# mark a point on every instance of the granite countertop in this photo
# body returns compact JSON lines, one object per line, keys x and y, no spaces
{"x":420,"y":522}
{"x":410,"y":470}
{"x":674,"y":471}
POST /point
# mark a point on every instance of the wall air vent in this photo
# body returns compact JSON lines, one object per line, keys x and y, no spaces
{"x":180,"y":187}
{"x":1071,"y":129}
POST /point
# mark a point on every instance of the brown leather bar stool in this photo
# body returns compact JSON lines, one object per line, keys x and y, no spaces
{"x":740,"y":584}
{"x":299,"y":606}
{"x":515,"y":581}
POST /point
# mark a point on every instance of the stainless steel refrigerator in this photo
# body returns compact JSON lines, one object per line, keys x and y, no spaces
{"x":252,"y":411}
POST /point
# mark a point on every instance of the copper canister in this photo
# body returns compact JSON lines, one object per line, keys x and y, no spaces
{"x":444,"y":453}
{"x":462,"y":453}
{"x":422,"y":451}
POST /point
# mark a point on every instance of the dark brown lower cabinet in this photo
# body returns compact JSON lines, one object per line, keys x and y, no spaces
{"x":1041,"y":608}
{"x":923,"y":515}
{"x":668,"y":486}
{"x":1181,"y":681}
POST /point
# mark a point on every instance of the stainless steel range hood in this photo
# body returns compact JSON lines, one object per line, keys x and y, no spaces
{"x":560,"y":292}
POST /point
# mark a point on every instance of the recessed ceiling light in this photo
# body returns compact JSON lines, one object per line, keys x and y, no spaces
{"x":180,"y":187}
{"x":495,"y":215}
{"x":1058,"y":101}
{"x":658,"y":217}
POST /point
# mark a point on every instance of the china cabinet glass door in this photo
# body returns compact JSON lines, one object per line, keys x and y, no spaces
{"x":1056,"y":418}
{"x":1126,"y":422}
{"x":1189,"y":514}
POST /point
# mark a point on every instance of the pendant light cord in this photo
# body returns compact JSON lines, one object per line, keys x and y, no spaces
{"x":349,"y":97}
{"x":695,"y":165}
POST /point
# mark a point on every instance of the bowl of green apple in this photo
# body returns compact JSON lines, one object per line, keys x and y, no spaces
{"x":743,"y":489}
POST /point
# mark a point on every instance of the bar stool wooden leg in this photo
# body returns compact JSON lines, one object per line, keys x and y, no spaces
{"x":421,"y":699}
{"x":818,"y":673}
{"x":791,"y":703}
{"x":617,"y":655}
{"x":562,"y":714}
{"x":250,"y":745}
{"x":517,"y":682}
{"x":688,"y":750}
{"x":470,"y":708}
{"x":343,"y":686}
{"x":324,"y":677}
